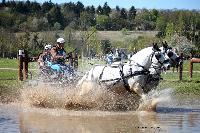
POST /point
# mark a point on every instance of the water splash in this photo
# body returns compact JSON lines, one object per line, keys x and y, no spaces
{"x":97,"y":98}
{"x":150,"y":101}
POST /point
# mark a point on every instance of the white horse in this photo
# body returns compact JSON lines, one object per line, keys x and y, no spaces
{"x":167,"y":51}
{"x":171,"y":59}
{"x":131,"y":76}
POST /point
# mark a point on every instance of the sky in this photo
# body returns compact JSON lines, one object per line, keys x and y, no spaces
{"x":149,"y":4}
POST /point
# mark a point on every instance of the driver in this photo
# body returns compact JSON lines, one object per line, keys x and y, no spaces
{"x":45,"y":56}
{"x":61,"y":55}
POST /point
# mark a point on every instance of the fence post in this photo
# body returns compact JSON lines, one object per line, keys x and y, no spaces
{"x":191,"y":67}
{"x":25,"y":65}
{"x":20,"y":67}
{"x":181,"y":67}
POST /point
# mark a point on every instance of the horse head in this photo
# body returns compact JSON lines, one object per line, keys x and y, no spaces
{"x":170,"y":54}
{"x":154,"y":62}
{"x":159,"y":61}
{"x":147,"y":56}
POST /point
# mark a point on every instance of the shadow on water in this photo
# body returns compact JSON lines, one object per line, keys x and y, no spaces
{"x":4,"y":119}
{"x":175,"y":110}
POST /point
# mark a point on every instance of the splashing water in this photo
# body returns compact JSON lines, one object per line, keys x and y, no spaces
{"x":150,"y":101}
{"x":98,"y":98}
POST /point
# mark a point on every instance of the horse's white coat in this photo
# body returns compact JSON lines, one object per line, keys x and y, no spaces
{"x":144,"y":59}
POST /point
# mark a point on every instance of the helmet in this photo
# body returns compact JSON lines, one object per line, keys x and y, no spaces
{"x":60,"y":40}
{"x":47,"y":47}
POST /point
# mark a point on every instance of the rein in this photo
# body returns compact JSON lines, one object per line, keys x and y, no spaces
{"x":136,"y":73}
{"x":124,"y":77}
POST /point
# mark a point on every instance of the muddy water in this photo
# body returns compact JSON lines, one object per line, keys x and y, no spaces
{"x":173,"y":114}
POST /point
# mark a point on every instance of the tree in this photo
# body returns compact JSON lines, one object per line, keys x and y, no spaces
{"x":102,"y":22}
{"x":117,"y":9}
{"x":46,"y":6}
{"x":79,"y":8}
{"x":86,"y":20}
{"x":55,"y":15}
{"x":90,"y":9}
{"x":131,"y":17}
{"x":123,"y":13}
{"x":69,"y":34}
{"x":161,"y":26}
{"x":89,"y":41}
{"x":170,"y":31}
{"x":154,"y":15}
{"x":197,"y":40}
{"x":132,"y":13}
{"x":4,"y":41}
{"x":68,"y":11}
{"x":35,"y":7}
{"x":57,"y":26}
{"x":99,"y":10}
{"x":94,"y":45}
{"x":106,"y":9}
{"x":180,"y":25}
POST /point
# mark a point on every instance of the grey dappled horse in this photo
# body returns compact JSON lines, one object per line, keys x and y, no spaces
{"x":131,"y":76}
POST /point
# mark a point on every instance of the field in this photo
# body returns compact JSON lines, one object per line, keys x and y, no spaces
{"x":115,"y":36}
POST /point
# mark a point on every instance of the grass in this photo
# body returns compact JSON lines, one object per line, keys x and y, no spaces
{"x":8,"y":75}
{"x":8,"y":63}
{"x":9,"y":84}
{"x":188,"y":85}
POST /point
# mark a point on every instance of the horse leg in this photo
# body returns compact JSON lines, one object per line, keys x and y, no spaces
{"x":85,"y":88}
{"x":136,"y":87}
{"x":86,"y":84}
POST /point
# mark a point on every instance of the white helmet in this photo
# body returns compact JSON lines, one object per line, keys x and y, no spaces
{"x":47,"y":47}
{"x":60,"y":40}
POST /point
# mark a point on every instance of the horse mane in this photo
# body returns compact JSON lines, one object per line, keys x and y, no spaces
{"x":142,"y":56}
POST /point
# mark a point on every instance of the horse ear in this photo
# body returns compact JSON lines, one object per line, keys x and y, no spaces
{"x":165,"y":45}
{"x":155,"y":46}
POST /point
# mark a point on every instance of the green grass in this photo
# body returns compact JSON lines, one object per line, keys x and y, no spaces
{"x":188,"y":85}
{"x":196,"y":66}
{"x":9,"y":84}
{"x":8,"y":63}
{"x":8,"y":74}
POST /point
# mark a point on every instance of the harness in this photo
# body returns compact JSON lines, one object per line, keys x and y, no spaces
{"x":130,"y":75}
{"x":123,"y":77}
